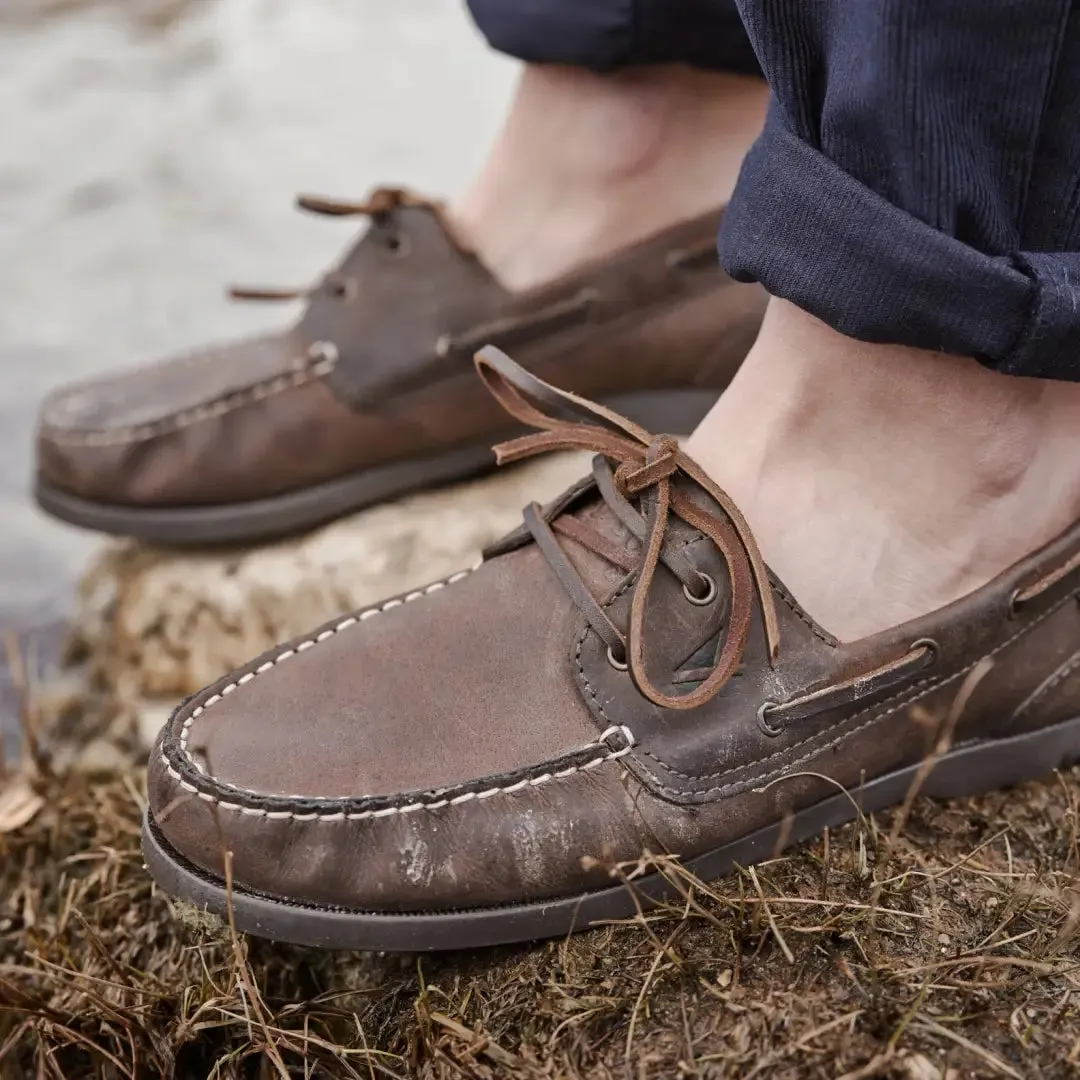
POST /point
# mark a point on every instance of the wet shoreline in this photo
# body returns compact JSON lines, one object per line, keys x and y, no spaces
{"x":151,"y":156}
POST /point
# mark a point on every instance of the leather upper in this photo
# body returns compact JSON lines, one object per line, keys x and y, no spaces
{"x":378,"y":367}
{"x":465,"y":744}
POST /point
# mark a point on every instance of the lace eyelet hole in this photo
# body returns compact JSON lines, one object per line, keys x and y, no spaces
{"x":344,"y":289}
{"x":710,"y":592}
{"x":763,"y":723}
{"x":397,"y":245}
{"x":615,"y":662}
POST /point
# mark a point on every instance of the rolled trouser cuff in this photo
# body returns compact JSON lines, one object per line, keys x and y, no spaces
{"x":812,"y":234}
{"x":604,"y":35}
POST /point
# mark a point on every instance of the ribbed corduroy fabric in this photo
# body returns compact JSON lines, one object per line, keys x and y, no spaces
{"x":918,"y":179}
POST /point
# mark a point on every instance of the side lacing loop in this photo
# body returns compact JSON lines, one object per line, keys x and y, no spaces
{"x":1023,"y":594}
{"x":703,"y":256}
{"x":563,"y":314}
{"x":516,"y":329}
{"x":774,"y":717}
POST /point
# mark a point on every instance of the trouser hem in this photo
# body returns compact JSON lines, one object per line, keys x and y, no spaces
{"x":812,"y":234}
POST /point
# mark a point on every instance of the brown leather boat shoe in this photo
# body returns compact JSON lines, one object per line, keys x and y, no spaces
{"x":371,"y":394}
{"x":620,"y":674}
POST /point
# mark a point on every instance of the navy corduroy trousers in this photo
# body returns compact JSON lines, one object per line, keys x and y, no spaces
{"x":918,"y":178}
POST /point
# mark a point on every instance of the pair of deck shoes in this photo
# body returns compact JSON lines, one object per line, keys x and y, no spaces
{"x":462,"y":764}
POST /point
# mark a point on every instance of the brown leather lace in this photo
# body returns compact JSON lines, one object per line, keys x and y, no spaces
{"x":645,"y":465}
{"x":381,"y":202}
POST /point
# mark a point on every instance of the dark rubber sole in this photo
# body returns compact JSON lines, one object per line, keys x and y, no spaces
{"x":970,"y":769}
{"x":677,"y":411}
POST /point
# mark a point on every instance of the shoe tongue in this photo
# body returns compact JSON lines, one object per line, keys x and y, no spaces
{"x":597,"y":572}
{"x":599,"y":575}
{"x":680,"y":636}
{"x":391,"y":308}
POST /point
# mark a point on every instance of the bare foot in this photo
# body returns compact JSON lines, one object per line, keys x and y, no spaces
{"x":881,"y":481}
{"x":588,"y":163}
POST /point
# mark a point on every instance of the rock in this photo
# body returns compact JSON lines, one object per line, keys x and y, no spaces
{"x":154,"y":626}
{"x":920,"y":1067}
{"x":19,"y":802}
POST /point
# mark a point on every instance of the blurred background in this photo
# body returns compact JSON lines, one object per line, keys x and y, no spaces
{"x":149,"y":155}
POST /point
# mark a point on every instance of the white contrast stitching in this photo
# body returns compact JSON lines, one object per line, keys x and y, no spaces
{"x":409,"y":808}
{"x":445,"y":797}
{"x":210,"y":411}
{"x":308,"y":643}
{"x":1044,"y":688}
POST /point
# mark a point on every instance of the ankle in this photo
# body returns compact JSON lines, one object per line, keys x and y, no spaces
{"x":884,"y":481}
{"x":838,"y":403}
{"x":587,"y":163}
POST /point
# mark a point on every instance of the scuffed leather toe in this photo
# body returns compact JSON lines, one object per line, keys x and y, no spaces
{"x":153,"y":436}
{"x":337,"y":774}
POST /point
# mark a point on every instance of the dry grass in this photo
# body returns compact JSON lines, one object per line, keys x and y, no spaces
{"x":934,"y":942}
{"x":950,"y":950}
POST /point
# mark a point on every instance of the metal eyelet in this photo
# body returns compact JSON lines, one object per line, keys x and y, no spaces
{"x":1012,"y":608}
{"x":710,"y":591}
{"x":618,"y":738}
{"x":767,"y":728}
{"x":618,"y":665}
{"x":933,"y":650}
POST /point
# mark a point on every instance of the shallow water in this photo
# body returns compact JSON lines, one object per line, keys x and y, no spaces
{"x":149,"y":154}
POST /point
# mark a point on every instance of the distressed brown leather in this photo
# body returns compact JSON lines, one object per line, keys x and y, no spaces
{"x":466,"y":744}
{"x":378,"y":368}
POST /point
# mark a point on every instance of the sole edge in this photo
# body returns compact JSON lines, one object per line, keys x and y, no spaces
{"x":970,"y":769}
